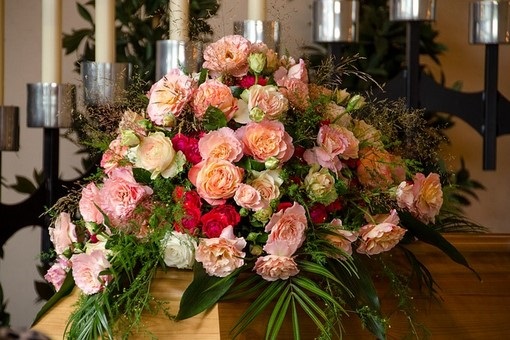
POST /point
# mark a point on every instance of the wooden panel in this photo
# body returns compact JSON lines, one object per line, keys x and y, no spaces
{"x":470,"y":308}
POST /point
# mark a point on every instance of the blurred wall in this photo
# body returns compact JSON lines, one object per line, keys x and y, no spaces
{"x":23,"y":54}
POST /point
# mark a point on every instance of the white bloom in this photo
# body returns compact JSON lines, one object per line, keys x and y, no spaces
{"x":179,"y":250}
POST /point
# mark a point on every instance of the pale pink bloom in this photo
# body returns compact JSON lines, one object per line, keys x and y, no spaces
{"x":63,"y":233}
{"x":428,"y":196}
{"x":379,"y":169}
{"x":405,"y":196}
{"x":112,"y":157}
{"x":221,"y":144}
{"x":228,"y":56}
{"x":298,"y":71}
{"x":392,"y":218}
{"x":266,"y":139}
{"x":319,"y":156}
{"x":248,"y":197}
{"x":337,"y":140}
{"x":89,"y":202}
{"x":216,"y":94}
{"x":216,"y":180}
{"x":267,"y":183}
{"x":220,"y":256}
{"x":288,"y":226}
{"x":274,"y":267}
{"x":168,"y":98}
{"x":268,"y":99}
{"x":57,"y":273}
{"x":342,"y":238}
{"x":87,"y":269}
{"x":242,"y":115}
{"x":156,"y":154}
{"x":121,"y":194}
{"x":378,"y":238}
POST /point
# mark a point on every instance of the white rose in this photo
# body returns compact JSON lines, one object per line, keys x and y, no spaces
{"x":179,"y":250}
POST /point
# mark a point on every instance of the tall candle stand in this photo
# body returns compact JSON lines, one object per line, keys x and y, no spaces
{"x":266,"y":31}
{"x":177,"y":54}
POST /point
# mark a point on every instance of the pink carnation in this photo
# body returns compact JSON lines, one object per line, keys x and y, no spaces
{"x":216,"y":94}
{"x":168,"y":97}
{"x":228,"y":56}
{"x":222,"y":255}
{"x":378,"y":238}
{"x":342,"y":238}
{"x":287,"y":231}
{"x":89,"y":201}
{"x":63,"y":233}
{"x":57,"y":273}
{"x":274,"y":267}
{"x":87,"y":270}
{"x":112,"y":157}
{"x":266,"y":139}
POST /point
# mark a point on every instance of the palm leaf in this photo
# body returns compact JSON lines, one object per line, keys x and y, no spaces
{"x":278,"y":314}
{"x":66,"y":289}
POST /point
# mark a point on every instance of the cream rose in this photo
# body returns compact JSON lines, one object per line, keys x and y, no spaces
{"x":320,"y":185}
{"x":267,"y":183}
{"x":156,"y":154}
{"x":179,"y":250}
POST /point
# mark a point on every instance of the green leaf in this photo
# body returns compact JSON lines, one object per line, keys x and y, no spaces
{"x":203,"y":292}
{"x":66,"y":289}
{"x":278,"y":314}
{"x":84,"y":13}
{"x":428,"y":235}
{"x":214,"y":119}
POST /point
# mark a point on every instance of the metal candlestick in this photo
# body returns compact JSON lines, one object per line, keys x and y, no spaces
{"x":105,"y":83}
{"x":177,"y":54}
{"x":264,"y":31}
{"x":335,"y":21}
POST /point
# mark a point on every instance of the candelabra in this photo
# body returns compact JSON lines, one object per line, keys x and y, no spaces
{"x":489,"y":23}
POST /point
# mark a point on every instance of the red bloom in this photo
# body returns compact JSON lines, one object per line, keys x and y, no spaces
{"x":283,"y":206}
{"x":249,"y":80}
{"x":318,"y":214}
{"x":335,"y":206}
{"x":218,"y":219}
{"x":191,"y":205}
{"x":188,"y":146}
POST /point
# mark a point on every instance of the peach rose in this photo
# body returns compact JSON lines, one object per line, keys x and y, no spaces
{"x":428,"y":196}
{"x":222,"y":255}
{"x":63,"y":233}
{"x":266,"y":139}
{"x":274,"y":267}
{"x":337,"y":140}
{"x":248,"y":197}
{"x":89,"y":201}
{"x":168,"y":98}
{"x":216,"y":94}
{"x":216,"y":180}
{"x":378,"y":238}
{"x":221,"y":144}
{"x":87,"y":270}
{"x":156,"y":154}
{"x":379,"y":169}
{"x":287,"y":226}
{"x":228,"y":56}
{"x":267,"y":183}
{"x":268,"y":99}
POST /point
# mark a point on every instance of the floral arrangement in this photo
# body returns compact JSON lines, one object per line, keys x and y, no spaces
{"x":261,"y":176}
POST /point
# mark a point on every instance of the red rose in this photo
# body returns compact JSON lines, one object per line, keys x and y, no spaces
{"x":318,"y":213}
{"x":191,"y":205}
{"x":218,"y":219}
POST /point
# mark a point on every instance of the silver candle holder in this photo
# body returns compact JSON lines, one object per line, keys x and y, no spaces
{"x":9,"y":128}
{"x":177,"y":54}
{"x":267,"y":32}
{"x":489,"y":22}
{"x":50,"y":105}
{"x":105,"y":83}
{"x":335,"y":21}
{"x":412,"y":10}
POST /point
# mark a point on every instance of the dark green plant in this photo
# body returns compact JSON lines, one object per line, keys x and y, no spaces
{"x":140,"y":23}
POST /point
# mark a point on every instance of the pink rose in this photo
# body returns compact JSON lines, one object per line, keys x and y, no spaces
{"x":341,"y":238}
{"x":216,"y":94}
{"x":221,"y":144}
{"x":222,"y":255}
{"x":57,"y":273}
{"x":89,"y":201}
{"x":168,"y":97}
{"x":121,"y":194}
{"x":336,"y":140}
{"x":268,"y":99}
{"x":228,"y":56}
{"x":216,"y":180}
{"x":63,"y":234}
{"x":87,"y":269}
{"x":156,"y":154}
{"x":379,"y":169}
{"x":274,"y":267}
{"x":378,"y":238}
{"x":248,"y":197}
{"x":287,"y":226}
{"x":266,"y":139}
